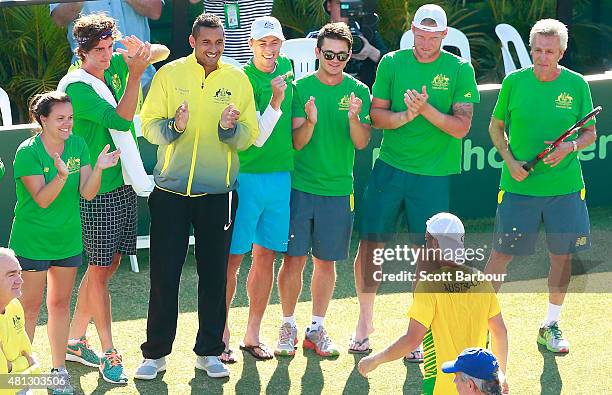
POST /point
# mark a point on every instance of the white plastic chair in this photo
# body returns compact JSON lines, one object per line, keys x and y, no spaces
{"x":232,"y":61}
{"x":508,"y":34}
{"x":302,"y":52}
{"x":454,"y":38}
{"x":5,"y":109}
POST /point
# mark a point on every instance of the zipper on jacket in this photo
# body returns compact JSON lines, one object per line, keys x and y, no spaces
{"x":229,"y":167}
{"x":194,"y":153}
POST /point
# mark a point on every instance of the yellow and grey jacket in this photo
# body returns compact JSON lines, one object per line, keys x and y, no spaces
{"x":203,"y":158}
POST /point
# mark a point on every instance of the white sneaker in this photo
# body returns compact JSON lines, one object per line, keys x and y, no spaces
{"x":213,"y":366}
{"x":149,"y":368}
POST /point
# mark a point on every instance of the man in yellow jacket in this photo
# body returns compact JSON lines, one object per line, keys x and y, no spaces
{"x":200,"y":111}
{"x":15,"y":347}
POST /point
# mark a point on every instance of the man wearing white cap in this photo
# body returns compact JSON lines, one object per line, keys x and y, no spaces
{"x":423,"y":100}
{"x":447,"y":315}
{"x":264,"y":182}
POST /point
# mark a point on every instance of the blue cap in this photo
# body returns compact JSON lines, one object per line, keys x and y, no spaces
{"x":476,"y":362}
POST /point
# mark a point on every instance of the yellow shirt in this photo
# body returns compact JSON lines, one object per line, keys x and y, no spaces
{"x":457,"y":315}
{"x":13,"y":341}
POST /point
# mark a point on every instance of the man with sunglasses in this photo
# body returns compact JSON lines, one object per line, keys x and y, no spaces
{"x":330,"y":119}
{"x":423,"y":100}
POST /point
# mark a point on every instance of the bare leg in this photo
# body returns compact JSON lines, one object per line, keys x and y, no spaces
{"x":233,"y":266}
{"x":366,"y":287}
{"x":82,"y":312}
{"x":259,"y":286}
{"x":322,"y":286}
{"x":497,"y":264}
{"x":290,"y":282}
{"x":559,"y":277}
{"x":32,"y":291}
{"x":59,"y":291}
{"x":97,"y":293}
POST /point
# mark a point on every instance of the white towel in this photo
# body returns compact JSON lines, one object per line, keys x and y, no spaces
{"x":132,"y":168}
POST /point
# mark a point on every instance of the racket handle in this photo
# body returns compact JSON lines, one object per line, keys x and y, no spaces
{"x":530,"y":165}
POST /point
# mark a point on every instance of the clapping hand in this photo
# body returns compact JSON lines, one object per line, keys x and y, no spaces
{"x":137,"y":56}
{"x":311,"y":110}
{"x":229,"y":117}
{"x":279,"y":85}
{"x":354,"y":107}
{"x":108,"y":159}
{"x":62,"y":169}
{"x":181,"y":116}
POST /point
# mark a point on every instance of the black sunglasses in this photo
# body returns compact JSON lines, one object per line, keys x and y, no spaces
{"x":330,"y":55}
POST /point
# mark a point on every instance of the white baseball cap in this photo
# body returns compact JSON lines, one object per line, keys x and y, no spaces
{"x":430,"y":11}
{"x":266,"y":26}
{"x":448,"y":230}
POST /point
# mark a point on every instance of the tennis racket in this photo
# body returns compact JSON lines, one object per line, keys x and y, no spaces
{"x":573,"y":129}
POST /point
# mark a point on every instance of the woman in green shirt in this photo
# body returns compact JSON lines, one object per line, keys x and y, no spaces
{"x":52,"y":170}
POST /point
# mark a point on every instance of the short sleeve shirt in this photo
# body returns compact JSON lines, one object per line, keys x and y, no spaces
{"x":325,"y":165}
{"x":419,"y":147}
{"x":54,"y":232}
{"x":277,"y":152}
{"x":457,"y":314}
{"x":534,"y":112}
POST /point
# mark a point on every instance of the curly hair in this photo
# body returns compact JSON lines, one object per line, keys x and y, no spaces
{"x":89,"y":29}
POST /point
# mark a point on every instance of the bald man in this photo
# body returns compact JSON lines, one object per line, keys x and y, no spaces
{"x":15,"y":348}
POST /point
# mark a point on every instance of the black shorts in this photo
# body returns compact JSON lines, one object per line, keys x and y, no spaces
{"x":38,"y":265}
{"x":110,"y":225}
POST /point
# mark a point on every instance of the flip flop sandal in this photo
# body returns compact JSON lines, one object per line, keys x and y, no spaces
{"x":359,"y":344}
{"x":229,"y":356}
{"x":415,"y":356}
{"x":253,"y":351}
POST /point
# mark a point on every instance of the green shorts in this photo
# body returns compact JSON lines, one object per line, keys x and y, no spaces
{"x":519,"y":217}
{"x":391,"y":192}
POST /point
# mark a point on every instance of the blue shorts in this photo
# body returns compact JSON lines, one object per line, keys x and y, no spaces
{"x":391,"y":192}
{"x":263,"y":212}
{"x":518,"y":219}
{"x":325,"y":222}
{"x":36,"y":265}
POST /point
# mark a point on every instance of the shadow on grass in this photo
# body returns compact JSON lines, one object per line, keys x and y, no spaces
{"x":312,"y":379}
{"x":280,"y":382}
{"x":77,"y":371}
{"x":202,"y":384}
{"x":356,"y":383}
{"x":103,"y":387}
{"x":130,"y":291}
{"x":550,"y":379}
{"x":249,"y":382}
{"x":156,"y":386}
{"x":414,"y":378}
